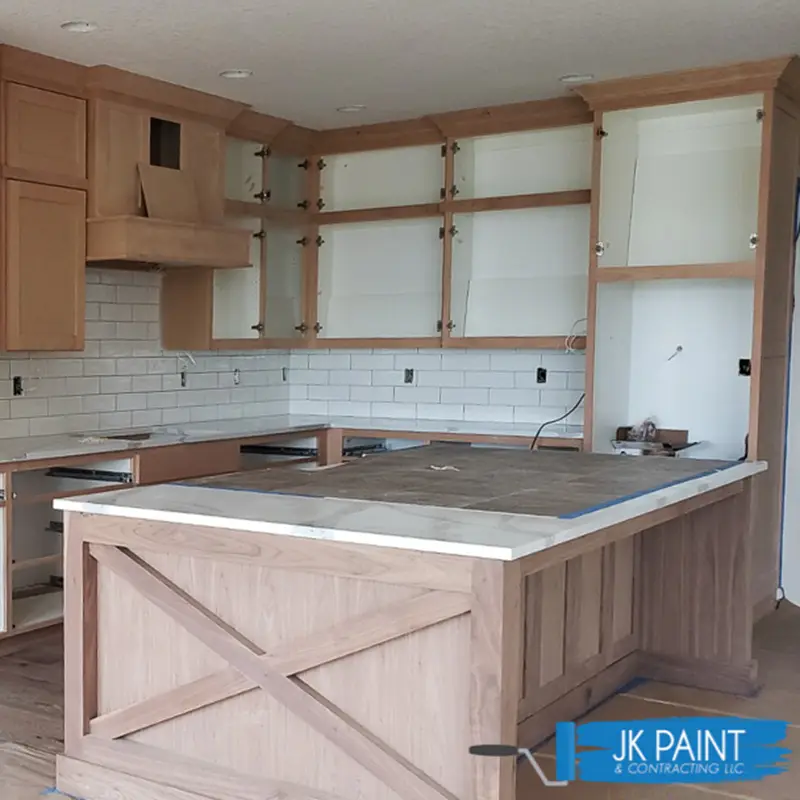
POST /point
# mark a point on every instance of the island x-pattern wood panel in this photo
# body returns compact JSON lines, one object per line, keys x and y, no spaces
{"x":291,"y":668}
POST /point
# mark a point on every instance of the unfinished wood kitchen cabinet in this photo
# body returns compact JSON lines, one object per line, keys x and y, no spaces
{"x":691,"y":272}
{"x":45,"y":136}
{"x":679,"y":186}
{"x":45,"y":267}
{"x":32,"y":535}
{"x":380,"y":280}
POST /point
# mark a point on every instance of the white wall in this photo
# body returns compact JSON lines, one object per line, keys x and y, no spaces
{"x":123,"y":378}
{"x":791,"y":513}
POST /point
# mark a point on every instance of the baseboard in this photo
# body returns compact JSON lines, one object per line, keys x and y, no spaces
{"x":764,"y":607}
{"x":14,"y":642}
{"x":700,"y":674}
{"x":538,"y":727}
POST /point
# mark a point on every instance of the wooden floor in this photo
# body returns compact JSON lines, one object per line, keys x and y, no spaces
{"x":31,"y":707}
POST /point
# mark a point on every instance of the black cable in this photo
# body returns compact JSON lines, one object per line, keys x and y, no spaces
{"x":553,"y":421}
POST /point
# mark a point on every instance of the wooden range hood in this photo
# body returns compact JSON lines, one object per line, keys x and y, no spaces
{"x":156,"y":175}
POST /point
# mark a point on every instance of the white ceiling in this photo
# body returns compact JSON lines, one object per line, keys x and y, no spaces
{"x":400,"y":58}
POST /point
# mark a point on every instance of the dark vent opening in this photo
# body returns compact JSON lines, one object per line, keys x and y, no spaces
{"x":165,"y":143}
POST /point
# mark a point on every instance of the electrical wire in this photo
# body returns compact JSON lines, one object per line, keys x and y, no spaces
{"x":553,"y":421}
{"x":570,"y":340}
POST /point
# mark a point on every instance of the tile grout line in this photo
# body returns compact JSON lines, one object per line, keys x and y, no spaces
{"x":697,"y":708}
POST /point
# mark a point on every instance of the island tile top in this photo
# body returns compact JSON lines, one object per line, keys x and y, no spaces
{"x":482,"y":503}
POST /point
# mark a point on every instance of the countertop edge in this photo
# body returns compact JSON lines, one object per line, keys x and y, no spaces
{"x":552,"y":530}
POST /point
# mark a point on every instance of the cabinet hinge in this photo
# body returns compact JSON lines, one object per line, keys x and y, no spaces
{"x":259,"y":327}
{"x":319,"y":241}
{"x":454,"y":147}
{"x":302,"y":327}
{"x":452,"y":230}
{"x":263,"y":152}
{"x":444,"y":150}
{"x":321,"y":164}
{"x":260,"y":235}
{"x":760,"y":114}
{"x":753,"y":241}
{"x":438,"y":326}
{"x":263,"y":196}
{"x":600,"y":133}
{"x":443,"y":193}
{"x":303,"y":242}
{"x":453,"y":190}
{"x":320,"y":204}
{"x":304,"y":164}
{"x":303,"y":204}
{"x":317,"y":327}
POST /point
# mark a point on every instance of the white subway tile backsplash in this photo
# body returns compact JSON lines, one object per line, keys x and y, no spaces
{"x":489,"y":413}
{"x":115,"y":419}
{"x":489,"y":380}
{"x":351,"y":377}
{"x":372,"y":394}
{"x":348,"y":409}
{"x":146,"y":383}
{"x":418,"y":361}
{"x":328,"y":392}
{"x":440,"y":411}
{"x":99,"y":366}
{"x":317,"y":377}
{"x":371,"y":361}
{"x":329,"y":361}
{"x":10,"y":428}
{"x":417,"y":394}
{"x":514,"y":397}
{"x":116,"y":385}
{"x":394,"y":410}
{"x":387,"y":377}
{"x":564,"y":362}
{"x":465,"y":396}
{"x":143,"y":418}
{"x":452,"y":379}
{"x":527,"y":380}
{"x":64,"y":406}
{"x":102,"y":402}
{"x":504,"y":361}
{"x":466,"y":362}
{"x":27,"y":408}
{"x":129,"y":402}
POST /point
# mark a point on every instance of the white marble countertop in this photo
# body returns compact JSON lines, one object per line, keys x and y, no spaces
{"x":451,"y":531}
{"x":79,"y":444}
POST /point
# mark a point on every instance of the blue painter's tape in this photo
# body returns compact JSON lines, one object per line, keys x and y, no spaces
{"x":617,"y":500}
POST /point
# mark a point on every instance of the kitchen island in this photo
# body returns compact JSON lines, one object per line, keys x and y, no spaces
{"x":346,"y":633}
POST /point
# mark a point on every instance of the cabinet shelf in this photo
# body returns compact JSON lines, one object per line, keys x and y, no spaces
{"x":735,"y":269}
{"x":37,"y":611}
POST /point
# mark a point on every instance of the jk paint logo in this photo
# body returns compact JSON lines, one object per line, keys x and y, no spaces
{"x":679,"y":750}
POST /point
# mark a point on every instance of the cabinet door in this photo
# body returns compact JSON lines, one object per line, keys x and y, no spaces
{"x":45,"y":267}
{"x":679,"y":184}
{"x":45,"y":133}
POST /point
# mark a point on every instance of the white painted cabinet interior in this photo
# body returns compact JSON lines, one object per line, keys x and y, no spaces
{"x":531,"y":162}
{"x":521,"y":272}
{"x":286,"y":181}
{"x":670,"y":350}
{"x":237,"y":292}
{"x":400,"y":176}
{"x":679,"y":184}
{"x":244,"y":170}
{"x":790,"y":556}
{"x":380,"y":279}
{"x":4,"y":565}
{"x":284,"y":283}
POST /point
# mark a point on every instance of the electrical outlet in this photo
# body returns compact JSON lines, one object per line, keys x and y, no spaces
{"x":284,"y":374}
{"x":17,"y":386}
{"x":183,"y":379}
{"x":541,"y":375}
{"x":408,"y":376}
{"x":237,"y":377}
{"x":744,"y":367}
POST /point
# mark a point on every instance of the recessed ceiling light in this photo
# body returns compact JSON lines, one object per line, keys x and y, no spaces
{"x":235,"y":74}
{"x":78,"y":26}
{"x":582,"y":78}
{"x":354,"y":109}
